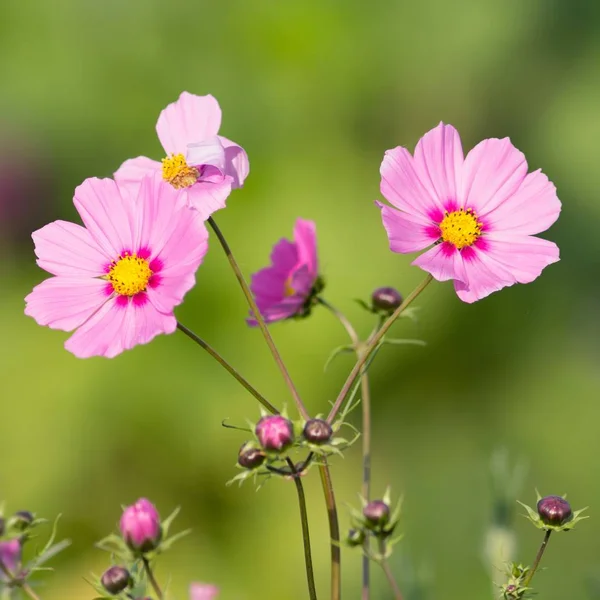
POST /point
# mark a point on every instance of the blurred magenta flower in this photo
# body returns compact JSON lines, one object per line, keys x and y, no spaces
{"x":203,"y":591}
{"x":479,"y":213}
{"x":274,"y":432}
{"x":118,"y":279}
{"x":140,"y":526}
{"x":10,"y":556}
{"x":203,"y":164}
{"x":287,"y":287}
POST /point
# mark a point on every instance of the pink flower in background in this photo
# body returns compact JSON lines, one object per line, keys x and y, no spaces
{"x":285,"y":288}
{"x":140,"y":525}
{"x":205,"y":165}
{"x":203,"y":591}
{"x":478,"y":213}
{"x":118,"y":279}
{"x":10,"y":555}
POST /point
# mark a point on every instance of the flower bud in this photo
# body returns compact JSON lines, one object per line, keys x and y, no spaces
{"x":386,"y":299}
{"x":116,"y":579}
{"x":274,"y":432}
{"x":317,"y":431}
{"x":203,"y":591}
{"x":376,"y":513}
{"x":356,"y":537}
{"x":21,"y":520}
{"x":140,"y":526}
{"x":10,"y":555}
{"x":554,"y":510}
{"x":250,"y":457}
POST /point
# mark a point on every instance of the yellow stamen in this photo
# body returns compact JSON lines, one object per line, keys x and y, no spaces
{"x":177,"y":172}
{"x":289,"y":290}
{"x":461,"y":228}
{"x":129,"y":275}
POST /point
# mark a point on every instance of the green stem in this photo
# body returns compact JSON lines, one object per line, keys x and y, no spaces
{"x":538,"y":558}
{"x":231,"y":370}
{"x":390,"y":577}
{"x":27,"y":589}
{"x":152,"y":579}
{"x":310,"y":576}
{"x":259,"y":319}
{"x":334,"y":533}
{"x":19,"y":583}
{"x":373,"y":342}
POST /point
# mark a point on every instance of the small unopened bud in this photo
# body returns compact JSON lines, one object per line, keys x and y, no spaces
{"x":140,"y":526}
{"x":203,"y":591}
{"x":554,"y":510}
{"x":356,"y":537}
{"x":386,"y":299}
{"x":376,"y":513}
{"x":317,"y":431}
{"x":250,"y":457}
{"x":274,"y":432}
{"x":10,"y":555}
{"x":22,"y":519}
{"x":116,"y":579}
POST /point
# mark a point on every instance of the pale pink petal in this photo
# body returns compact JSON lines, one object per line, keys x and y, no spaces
{"x":401,"y":186}
{"x":107,"y":215}
{"x":188,"y":120}
{"x":443,"y":261}
{"x":530,"y":210}
{"x":65,"y":248}
{"x":203,"y":591}
{"x":207,"y":152}
{"x":405,"y":232}
{"x":207,"y":197}
{"x":115,"y":328}
{"x":65,"y":302}
{"x":305,"y":236}
{"x":438,"y":163}
{"x":492,"y":173}
{"x":237,"y":165}
{"x":130,"y":174}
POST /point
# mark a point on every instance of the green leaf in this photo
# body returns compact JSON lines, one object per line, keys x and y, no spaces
{"x":336,"y":352}
{"x":401,"y":342}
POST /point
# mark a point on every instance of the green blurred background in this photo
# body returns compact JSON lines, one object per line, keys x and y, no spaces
{"x":315,"y":91}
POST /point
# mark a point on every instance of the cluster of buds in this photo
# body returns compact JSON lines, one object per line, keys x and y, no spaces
{"x":15,"y":532}
{"x":516,"y":588}
{"x":375,"y":521}
{"x":276,"y":436}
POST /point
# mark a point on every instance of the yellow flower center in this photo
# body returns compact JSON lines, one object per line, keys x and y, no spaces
{"x":129,"y":275}
{"x":177,"y":172}
{"x":289,"y":290}
{"x":461,"y":227}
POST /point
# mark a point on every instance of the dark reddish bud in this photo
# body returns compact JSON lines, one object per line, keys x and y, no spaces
{"x":22,"y":519}
{"x":274,"y":432}
{"x":116,"y":579}
{"x":386,"y":299}
{"x":250,"y":457}
{"x":554,"y":510}
{"x":317,"y":431}
{"x":356,"y":537}
{"x":376,"y":513}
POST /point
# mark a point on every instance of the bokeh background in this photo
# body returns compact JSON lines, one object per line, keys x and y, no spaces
{"x":315,"y":91}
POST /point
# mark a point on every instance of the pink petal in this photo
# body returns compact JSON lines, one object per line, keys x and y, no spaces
{"x":492,"y":173}
{"x":237,"y":165}
{"x":107,"y":215}
{"x":401,"y":186}
{"x":65,"y":302}
{"x":190,"y":119}
{"x":130,"y":174}
{"x":115,"y":328}
{"x":305,"y":236}
{"x":530,"y":210}
{"x":443,"y":261}
{"x":504,"y":262}
{"x":438,"y":163}
{"x":207,"y":197}
{"x":65,"y":248}
{"x":207,"y":152}
{"x":203,"y":591}
{"x":405,"y":232}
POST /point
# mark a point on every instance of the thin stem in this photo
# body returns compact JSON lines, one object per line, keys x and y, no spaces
{"x":334,"y":533}
{"x":27,"y":589}
{"x":21,"y":583}
{"x":310,"y":576}
{"x":390,"y":577}
{"x":373,"y":342}
{"x":152,"y":579}
{"x":538,"y":558}
{"x":342,"y":319}
{"x":259,"y":319}
{"x":231,"y":370}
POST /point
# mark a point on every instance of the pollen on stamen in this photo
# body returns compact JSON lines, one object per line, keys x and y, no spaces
{"x":461,"y":228}
{"x":178,"y":173}
{"x":129,"y":275}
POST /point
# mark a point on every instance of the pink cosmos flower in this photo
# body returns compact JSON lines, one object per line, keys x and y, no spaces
{"x":287,"y":287}
{"x":478,"y":213}
{"x":206,"y":165}
{"x":118,"y":279}
{"x":203,"y":591}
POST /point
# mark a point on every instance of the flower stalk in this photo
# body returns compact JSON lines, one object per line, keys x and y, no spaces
{"x":538,"y":558}
{"x":152,"y":579}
